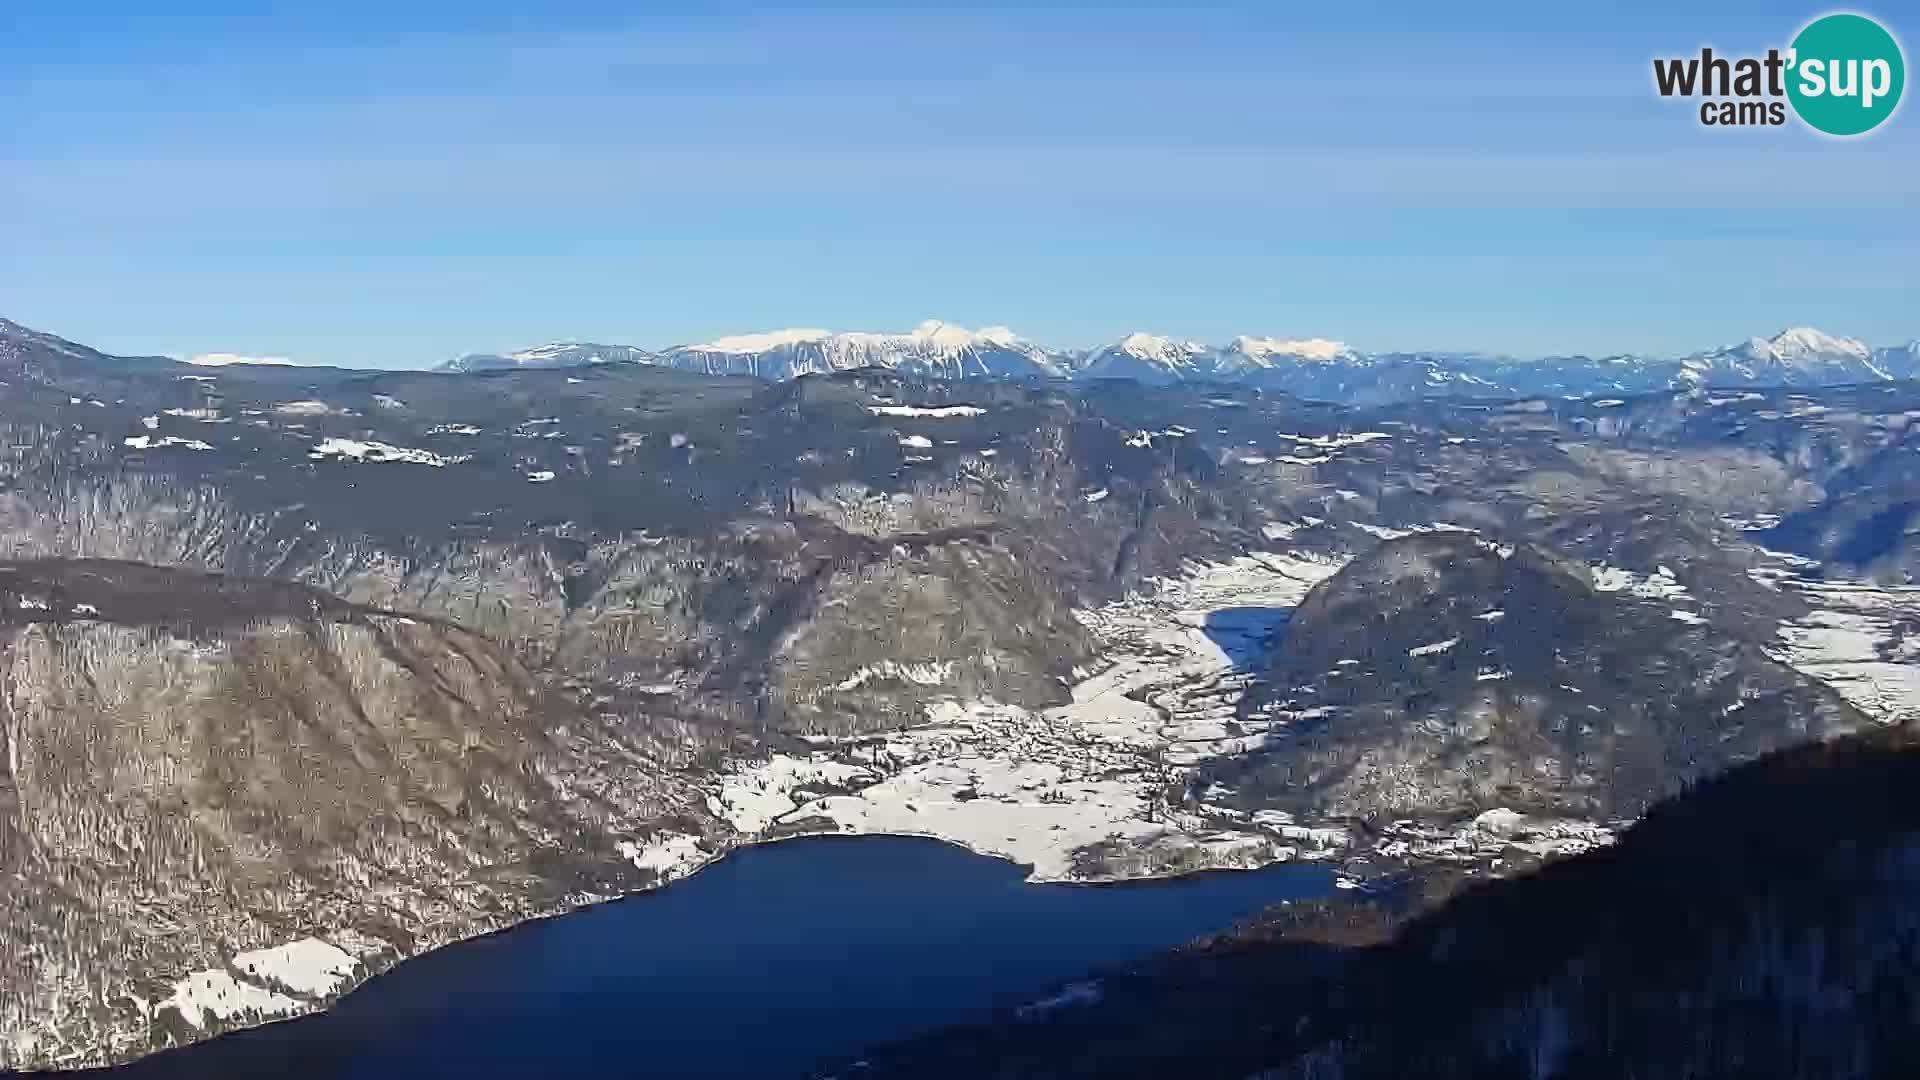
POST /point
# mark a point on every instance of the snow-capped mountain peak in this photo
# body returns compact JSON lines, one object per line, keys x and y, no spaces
{"x":1803,"y":344}
{"x":1799,"y":355}
{"x":1156,"y":347}
{"x":741,"y":344}
{"x":546,"y":353}
{"x":931,"y":348}
{"x":1150,"y":357}
{"x":1267,"y":348}
{"x":948,"y":336}
{"x":556,"y":354}
{"x":930,"y":336}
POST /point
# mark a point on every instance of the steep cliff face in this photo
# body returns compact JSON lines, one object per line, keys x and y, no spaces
{"x":752,"y":626}
{"x":198,"y":766}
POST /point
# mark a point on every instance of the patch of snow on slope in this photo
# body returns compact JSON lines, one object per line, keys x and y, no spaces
{"x":150,"y":442}
{"x":1659,"y":585}
{"x":205,"y":416}
{"x":356,"y":450}
{"x":940,"y":412}
{"x":932,"y":673}
{"x":1277,"y":530}
{"x":308,"y":966}
{"x":1434,"y":649}
{"x":1336,"y":441}
{"x":671,"y":856}
{"x":219,"y":996}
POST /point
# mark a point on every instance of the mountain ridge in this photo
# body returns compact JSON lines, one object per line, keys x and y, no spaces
{"x":1795,"y":343}
{"x":1312,"y":367}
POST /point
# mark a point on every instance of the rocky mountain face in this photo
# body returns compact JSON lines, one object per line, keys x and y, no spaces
{"x":390,"y":658}
{"x":202,"y":769}
{"x":1761,"y":925}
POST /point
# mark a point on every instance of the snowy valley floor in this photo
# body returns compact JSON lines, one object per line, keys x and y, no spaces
{"x":1042,"y":788}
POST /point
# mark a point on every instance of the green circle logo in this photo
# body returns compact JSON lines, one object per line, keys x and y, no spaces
{"x":1846,"y":74}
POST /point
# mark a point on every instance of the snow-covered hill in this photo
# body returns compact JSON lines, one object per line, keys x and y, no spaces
{"x":1149,"y":358}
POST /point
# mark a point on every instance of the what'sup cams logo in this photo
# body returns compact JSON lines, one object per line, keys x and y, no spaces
{"x":1842,"y":75}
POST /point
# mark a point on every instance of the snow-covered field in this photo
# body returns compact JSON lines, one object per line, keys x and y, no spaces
{"x":217,"y":995}
{"x":308,"y":966}
{"x":1854,"y":643}
{"x":282,"y":980}
{"x":1042,"y":787}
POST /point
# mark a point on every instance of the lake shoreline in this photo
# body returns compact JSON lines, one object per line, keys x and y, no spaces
{"x":811,"y":856}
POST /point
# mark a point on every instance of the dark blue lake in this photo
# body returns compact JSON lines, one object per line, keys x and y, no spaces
{"x":762,"y":965}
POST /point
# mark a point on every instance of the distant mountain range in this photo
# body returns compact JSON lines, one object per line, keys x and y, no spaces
{"x":933,"y":349}
{"x":1314,"y":367}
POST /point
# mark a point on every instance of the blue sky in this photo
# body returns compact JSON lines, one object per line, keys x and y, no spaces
{"x":394,"y":184}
